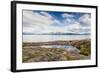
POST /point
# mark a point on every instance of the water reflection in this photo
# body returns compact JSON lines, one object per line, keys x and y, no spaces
{"x":66,"y":47}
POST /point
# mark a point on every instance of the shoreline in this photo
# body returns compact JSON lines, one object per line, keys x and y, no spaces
{"x":75,"y":43}
{"x":55,"y":40}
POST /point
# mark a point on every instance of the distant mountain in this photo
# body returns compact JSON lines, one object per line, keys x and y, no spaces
{"x":57,"y":33}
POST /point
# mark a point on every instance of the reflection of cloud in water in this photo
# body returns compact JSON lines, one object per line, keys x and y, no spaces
{"x":69,"y":48}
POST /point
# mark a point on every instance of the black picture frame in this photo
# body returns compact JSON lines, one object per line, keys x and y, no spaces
{"x":13,"y":35}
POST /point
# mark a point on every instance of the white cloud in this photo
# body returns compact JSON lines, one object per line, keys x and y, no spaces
{"x":83,"y":25}
{"x":66,"y":15}
{"x":34,"y":18}
{"x":35,"y":21}
{"x":68,"y":19}
{"x":28,"y":30}
{"x":85,"y":20}
{"x":47,"y":15}
{"x":40,"y":22}
{"x":77,"y":28}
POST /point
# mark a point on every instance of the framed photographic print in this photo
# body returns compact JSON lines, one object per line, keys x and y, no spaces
{"x":47,"y":36}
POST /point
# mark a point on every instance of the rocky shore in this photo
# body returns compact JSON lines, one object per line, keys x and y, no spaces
{"x":33,"y":52}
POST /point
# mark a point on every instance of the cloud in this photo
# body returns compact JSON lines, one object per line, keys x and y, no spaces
{"x":33,"y":21}
{"x":43,"y":22}
{"x":81,"y":25}
{"x":31,"y":18}
{"x":47,"y":15}
{"x":66,"y":15}
{"x":68,"y":19}
{"x":77,"y":28}
{"x":85,"y":20}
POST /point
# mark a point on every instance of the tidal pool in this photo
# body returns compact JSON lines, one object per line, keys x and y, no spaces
{"x":66,"y":47}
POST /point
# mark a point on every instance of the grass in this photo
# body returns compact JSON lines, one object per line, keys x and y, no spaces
{"x":85,"y":51}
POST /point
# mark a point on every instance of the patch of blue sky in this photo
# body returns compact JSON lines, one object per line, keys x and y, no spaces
{"x":58,"y":16}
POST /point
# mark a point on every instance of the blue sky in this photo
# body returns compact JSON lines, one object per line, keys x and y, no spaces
{"x":50,"y":21}
{"x":58,"y":16}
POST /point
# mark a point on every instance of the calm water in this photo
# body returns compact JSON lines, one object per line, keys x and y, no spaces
{"x":46,"y":38}
{"x":59,"y":46}
{"x":66,"y":47}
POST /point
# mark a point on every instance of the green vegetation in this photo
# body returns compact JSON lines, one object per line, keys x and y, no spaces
{"x":85,"y":48}
{"x":68,"y":57}
{"x":85,"y":51}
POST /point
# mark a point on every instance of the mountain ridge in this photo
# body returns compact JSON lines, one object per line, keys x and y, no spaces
{"x":56,"y":33}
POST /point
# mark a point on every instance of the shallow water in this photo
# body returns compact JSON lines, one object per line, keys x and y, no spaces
{"x":66,"y":47}
{"x":58,"y":46}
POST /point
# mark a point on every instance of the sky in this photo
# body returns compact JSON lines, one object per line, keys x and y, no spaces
{"x":53,"y":22}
